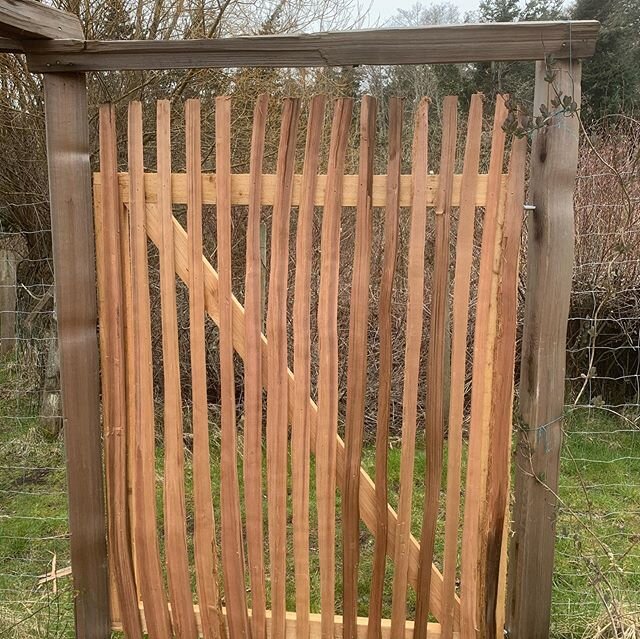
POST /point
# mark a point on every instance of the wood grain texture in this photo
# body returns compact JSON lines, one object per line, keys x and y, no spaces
{"x":436,"y":362}
{"x":367,"y":487}
{"x":501,"y":415}
{"x":300,"y":428}
{"x":277,"y":352}
{"x":113,"y":365}
{"x":549,"y":268}
{"x":253,"y":488}
{"x":98,"y":222}
{"x":29,"y":19}
{"x":206,"y":559}
{"x":177,"y":557}
{"x":72,"y":234}
{"x":232,"y":537}
{"x":327,"y":425}
{"x":357,"y":370}
{"x":413,"y":346}
{"x":473,"y":544}
{"x":151,"y":580}
{"x":460,"y":320}
{"x":240,"y":188}
{"x":291,"y":630}
{"x":422,"y":45}
{"x":390,"y":257}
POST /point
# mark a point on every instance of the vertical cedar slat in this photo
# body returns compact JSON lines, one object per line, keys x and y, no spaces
{"x":108,"y":453}
{"x":206,"y":559}
{"x":277,"y":384}
{"x":472,"y":624}
{"x":415,"y":299}
{"x":68,"y":162}
{"x":253,"y":379}
{"x":357,"y":369}
{"x":498,"y":480}
{"x":436,"y":364}
{"x":109,"y":262}
{"x":300,"y":429}
{"x":392,"y":211}
{"x":151,"y":586}
{"x":131,"y":436}
{"x":327,"y":426}
{"x":461,"y":294}
{"x":231,"y":518}
{"x":184,"y":621}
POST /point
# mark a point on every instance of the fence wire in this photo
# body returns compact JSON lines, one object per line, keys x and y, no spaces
{"x":36,"y":595}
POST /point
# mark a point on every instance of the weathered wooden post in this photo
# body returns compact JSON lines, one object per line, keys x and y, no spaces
{"x":8,"y":283}
{"x":554,"y":159}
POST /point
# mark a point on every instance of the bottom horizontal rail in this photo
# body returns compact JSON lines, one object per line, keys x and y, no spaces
{"x":433,"y":629}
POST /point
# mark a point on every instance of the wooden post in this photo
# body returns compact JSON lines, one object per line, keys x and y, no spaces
{"x":75,"y":278}
{"x":8,"y":265}
{"x":549,"y":267}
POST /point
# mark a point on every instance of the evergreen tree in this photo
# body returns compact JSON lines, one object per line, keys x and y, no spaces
{"x":611,"y":78}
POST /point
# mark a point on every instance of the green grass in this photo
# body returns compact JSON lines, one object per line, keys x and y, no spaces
{"x":597,"y":552}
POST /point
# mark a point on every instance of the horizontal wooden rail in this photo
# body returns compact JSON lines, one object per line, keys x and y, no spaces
{"x":240,"y":184}
{"x":433,"y":629}
{"x":422,"y":45}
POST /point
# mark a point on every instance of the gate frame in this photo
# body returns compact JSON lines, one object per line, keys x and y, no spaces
{"x":54,"y":44}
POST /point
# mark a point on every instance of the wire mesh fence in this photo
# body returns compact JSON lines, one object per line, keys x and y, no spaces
{"x":36,"y":598}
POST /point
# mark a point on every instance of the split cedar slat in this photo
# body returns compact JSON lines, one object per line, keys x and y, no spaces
{"x":98,"y":224}
{"x":300,"y":429}
{"x":473,"y":546}
{"x":367,"y":488}
{"x":413,"y":345}
{"x":390,"y":241}
{"x":460,"y":320}
{"x":177,"y":557}
{"x":206,"y":559}
{"x":240,"y":189}
{"x":110,"y":303}
{"x":253,"y":488}
{"x":130,"y":358}
{"x":327,"y":415}
{"x":291,"y":630}
{"x":436,"y":364}
{"x":151,"y":580}
{"x":231,"y":518}
{"x":357,"y":370}
{"x":498,"y":480}
{"x":277,"y":387}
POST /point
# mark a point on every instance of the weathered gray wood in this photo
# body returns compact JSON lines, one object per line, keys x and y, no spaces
{"x":74,"y":264}
{"x":423,"y":45}
{"x":8,"y":265}
{"x":549,"y":268}
{"x":33,"y":20}
{"x":9,"y":45}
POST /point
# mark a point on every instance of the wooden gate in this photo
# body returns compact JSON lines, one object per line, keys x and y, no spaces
{"x":183,"y":523}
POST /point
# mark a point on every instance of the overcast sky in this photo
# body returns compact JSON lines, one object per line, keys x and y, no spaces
{"x":386,"y":8}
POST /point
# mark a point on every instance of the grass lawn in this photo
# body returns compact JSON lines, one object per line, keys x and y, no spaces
{"x":597,"y":553}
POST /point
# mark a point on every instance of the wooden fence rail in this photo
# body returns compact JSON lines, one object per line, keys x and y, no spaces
{"x":241,"y":588}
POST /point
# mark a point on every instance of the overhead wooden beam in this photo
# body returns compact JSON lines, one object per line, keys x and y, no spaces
{"x":8,"y":45}
{"x":423,"y":45}
{"x":28,"y":19}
